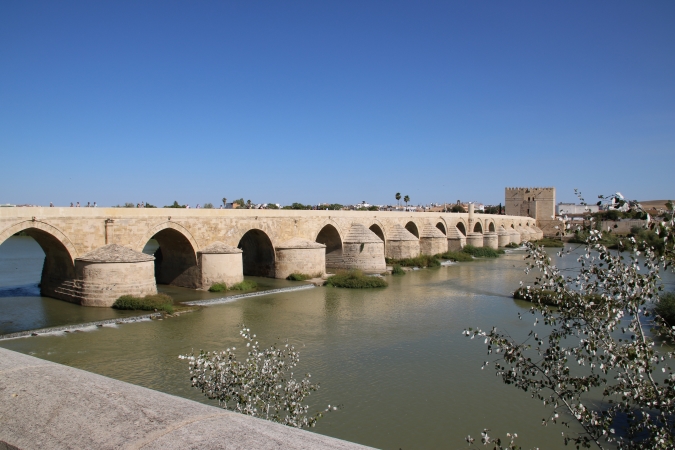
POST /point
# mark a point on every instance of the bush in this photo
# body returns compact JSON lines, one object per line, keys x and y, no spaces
{"x":666,"y":308}
{"x":456,"y":256}
{"x":512,"y":245}
{"x":482,"y":252}
{"x":159,"y":302}
{"x":245,"y":285}
{"x":355,"y":279}
{"x":419,"y":261}
{"x":397,"y":270}
{"x":535,"y":295}
{"x":260,"y":385}
{"x":548,"y":242}
{"x":218,"y":287}
{"x":298,"y":277}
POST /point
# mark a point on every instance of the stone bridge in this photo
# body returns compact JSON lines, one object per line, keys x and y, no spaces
{"x":94,"y":255}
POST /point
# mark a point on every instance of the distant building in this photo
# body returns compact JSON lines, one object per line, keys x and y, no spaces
{"x":562,"y":209}
{"x":538,"y":203}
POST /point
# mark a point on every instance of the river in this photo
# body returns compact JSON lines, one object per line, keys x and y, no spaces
{"x":394,"y":358}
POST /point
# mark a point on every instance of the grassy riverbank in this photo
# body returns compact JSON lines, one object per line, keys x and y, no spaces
{"x":245,"y":285}
{"x":156,"y":302}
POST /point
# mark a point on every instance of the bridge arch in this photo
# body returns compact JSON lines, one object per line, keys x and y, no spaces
{"x":378,"y":229}
{"x":491,"y":226}
{"x":60,"y":253}
{"x":258,"y":257}
{"x":330,"y":236}
{"x":441,"y":225}
{"x":412,"y":227}
{"x":461,"y":227}
{"x":176,"y":256}
{"x":478,"y":227}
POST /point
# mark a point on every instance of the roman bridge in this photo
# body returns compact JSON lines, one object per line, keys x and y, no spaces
{"x":94,"y":255}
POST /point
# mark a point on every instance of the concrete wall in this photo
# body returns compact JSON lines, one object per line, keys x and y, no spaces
{"x":49,"y":406}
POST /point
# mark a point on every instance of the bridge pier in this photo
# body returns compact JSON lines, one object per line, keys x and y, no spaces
{"x":432,"y":240}
{"x":107,"y":273}
{"x":503,"y":238}
{"x":300,"y":256}
{"x":401,"y":243}
{"x":491,"y":240}
{"x":456,"y":239}
{"x":474,"y":238}
{"x":220,"y":263}
{"x":363,"y":250}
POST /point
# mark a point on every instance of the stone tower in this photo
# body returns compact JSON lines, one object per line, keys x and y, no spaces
{"x":538,"y":203}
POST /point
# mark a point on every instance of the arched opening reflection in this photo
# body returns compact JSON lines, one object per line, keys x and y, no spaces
{"x":258,"y":254}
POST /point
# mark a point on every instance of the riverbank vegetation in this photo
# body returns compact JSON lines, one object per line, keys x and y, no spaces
{"x":355,"y":279}
{"x":397,"y":270}
{"x":154,"y":302}
{"x":245,"y":285}
{"x":549,"y":242}
{"x":482,"y":252}
{"x":459,"y":256}
{"x":418,"y":261}
{"x":295,"y":276}
{"x":599,"y":322}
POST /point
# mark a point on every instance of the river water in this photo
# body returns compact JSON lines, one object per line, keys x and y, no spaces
{"x":394,"y":358}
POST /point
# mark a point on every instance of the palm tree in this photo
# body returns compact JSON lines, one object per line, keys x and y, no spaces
{"x":224,"y":202}
{"x":398,"y":198}
{"x":406,"y":199}
{"x":248,"y":204}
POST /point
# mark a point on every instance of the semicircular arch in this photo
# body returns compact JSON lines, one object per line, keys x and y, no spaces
{"x":140,"y":244}
{"x":382,"y":230}
{"x":334,"y":224}
{"x":44,"y":227}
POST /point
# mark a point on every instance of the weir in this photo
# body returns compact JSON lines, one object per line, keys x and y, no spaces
{"x":94,"y":255}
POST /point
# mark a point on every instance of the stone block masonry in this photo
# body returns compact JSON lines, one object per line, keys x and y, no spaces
{"x":255,"y":242}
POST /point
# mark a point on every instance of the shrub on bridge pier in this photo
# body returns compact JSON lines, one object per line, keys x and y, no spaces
{"x":245,"y":285}
{"x":155,"y":302}
{"x":355,"y":279}
{"x":298,"y":277}
{"x":418,"y":261}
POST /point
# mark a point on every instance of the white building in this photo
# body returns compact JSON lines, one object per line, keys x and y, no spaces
{"x":562,"y":209}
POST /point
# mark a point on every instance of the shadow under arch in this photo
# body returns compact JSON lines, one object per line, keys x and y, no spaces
{"x":441,"y":226}
{"x":375,"y":228}
{"x":412,"y":227}
{"x":491,"y":227}
{"x":60,"y":253}
{"x":175,"y":259}
{"x":258,"y":254}
{"x":330,"y":237}
{"x":462,"y":229}
{"x":478,"y":228}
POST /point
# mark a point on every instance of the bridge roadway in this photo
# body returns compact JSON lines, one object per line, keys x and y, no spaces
{"x":94,"y":255}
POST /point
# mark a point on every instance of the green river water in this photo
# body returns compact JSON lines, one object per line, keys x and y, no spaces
{"x":394,"y":358}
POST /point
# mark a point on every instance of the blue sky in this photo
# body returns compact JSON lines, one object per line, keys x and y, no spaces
{"x":339,"y":101}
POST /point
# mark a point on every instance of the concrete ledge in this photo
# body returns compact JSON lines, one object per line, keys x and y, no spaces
{"x":48,"y":405}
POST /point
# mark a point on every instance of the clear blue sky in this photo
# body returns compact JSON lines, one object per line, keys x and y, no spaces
{"x":339,"y":101}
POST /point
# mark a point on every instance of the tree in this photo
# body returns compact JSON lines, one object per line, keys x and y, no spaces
{"x":272,"y":206}
{"x":224,"y":202}
{"x":262,"y":385}
{"x":598,"y":342}
{"x":208,"y":205}
{"x":398,"y":198}
{"x":406,"y":199}
{"x":175,"y":205}
{"x":240,"y":202}
{"x":248,"y":204}
{"x":457,"y":209}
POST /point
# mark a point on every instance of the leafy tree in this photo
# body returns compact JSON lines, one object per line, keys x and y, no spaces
{"x":240,"y":202}
{"x":373,"y":208}
{"x":175,"y":205}
{"x":272,"y":206}
{"x":129,"y":205}
{"x":406,"y":199}
{"x":334,"y":207}
{"x":597,"y":343}
{"x":457,"y":209}
{"x":208,"y":205}
{"x":398,"y":198}
{"x":248,"y":204}
{"x":148,"y":205}
{"x":261,"y":385}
